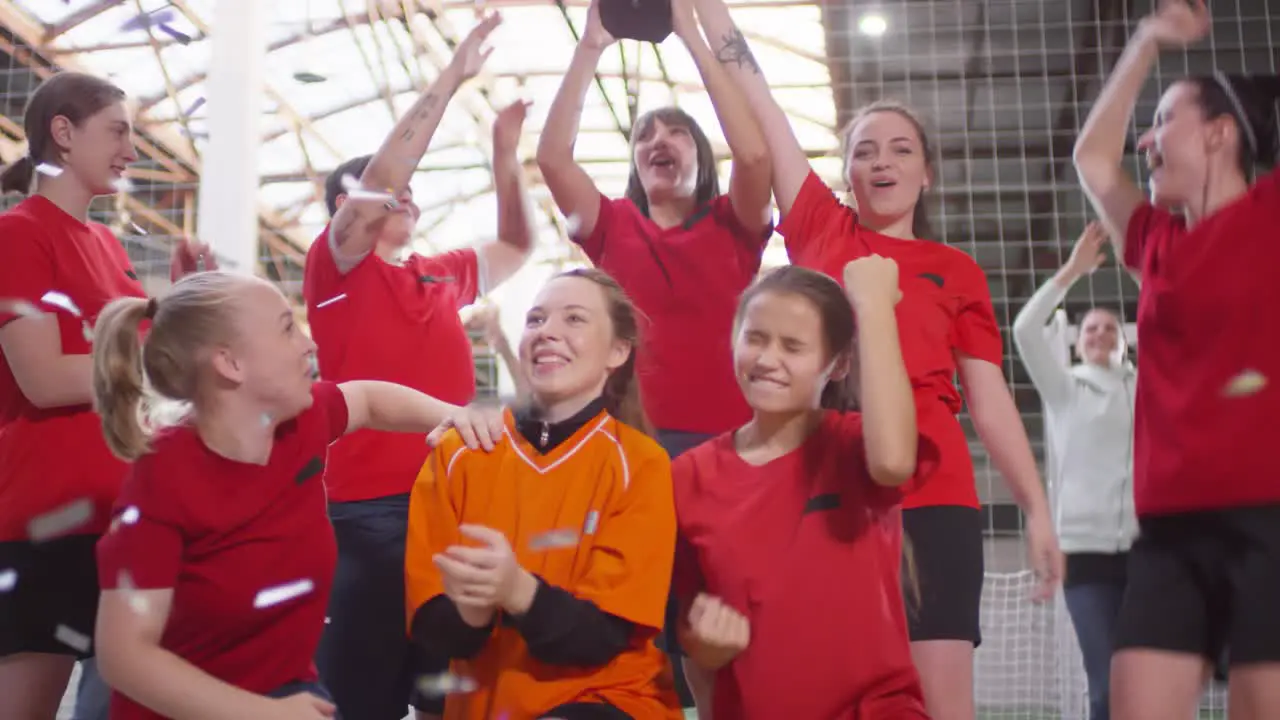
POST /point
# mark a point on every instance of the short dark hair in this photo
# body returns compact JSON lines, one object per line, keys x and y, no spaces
{"x":1251,"y":101}
{"x":708,"y":182}
{"x":75,"y":96}
{"x":354,"y":167}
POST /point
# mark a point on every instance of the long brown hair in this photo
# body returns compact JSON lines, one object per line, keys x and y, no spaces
{"x":194,"y":314}
{"x":838,"y":324}
{"x":622,"y":389}
{"x":75,"y":96}
{"x":921,"y":226}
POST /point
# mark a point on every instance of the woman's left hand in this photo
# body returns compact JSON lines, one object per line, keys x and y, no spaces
{"x":478,"y":427}
{"x":485,"y":576}
{"x":1046,"y":558}
{"x":187,"y":257}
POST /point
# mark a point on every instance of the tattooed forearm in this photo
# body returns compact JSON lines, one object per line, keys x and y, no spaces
{"x":734,"y":50}
{"x":421,"y":112}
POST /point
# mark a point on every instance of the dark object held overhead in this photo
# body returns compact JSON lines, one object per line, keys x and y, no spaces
{"x":644,"y":20}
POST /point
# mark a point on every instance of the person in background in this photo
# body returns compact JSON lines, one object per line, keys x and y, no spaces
{"x":58,"y":270}
{"x":948,"y":328}
{"x":1204,"y":572}
{"x":683,"y":251}
{"x":379,"y":314}
{"x":766,"y":513}
{"x":1089,"y":436}
{"x":216,"y":567}
{"x":542,"y":568}
{"x":488,"y":320}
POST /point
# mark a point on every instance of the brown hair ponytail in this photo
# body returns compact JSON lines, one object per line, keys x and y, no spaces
{"x":621,"y":390}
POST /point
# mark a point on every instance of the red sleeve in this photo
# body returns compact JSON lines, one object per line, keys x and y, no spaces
{"x":145,"y":545}
{"x":464,"y":267}
{"x":328,"y":400}
{"x":26,"y":264}
{"x":1147,"y":224}
{"x":976,"y":332}
{"x":593,"y":244}
{"x":749,"y":244}
{"x":817,"y":219}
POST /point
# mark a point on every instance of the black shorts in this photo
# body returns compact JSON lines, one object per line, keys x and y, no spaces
{"x":1205,"y":583}
{"x":53,"y":604}
{"x":946,"y":546}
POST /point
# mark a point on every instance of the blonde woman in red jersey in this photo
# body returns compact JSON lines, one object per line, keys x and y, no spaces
{"x":948,"y":329}
{"x":62,"y":268}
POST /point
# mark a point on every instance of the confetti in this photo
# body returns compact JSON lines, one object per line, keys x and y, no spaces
{"x":8,"y":579}
{"x":161,"y":16}
{"x":357,"y":192}
{"x":446,"y":684}
{"x":1246,"y":383}
{"x":137,"y":229}
{"x":61,"y":521}
{"x":181,"y":37}
{"x":308,"y":78}
{"x":282,"y":593}
{"x":191,"y":110}
{"x":49,"y":170}
{"x":21,"y":308}
{"x":122,"y":185}
{"x":130,"y":515}
{"x":73,"y":639}
{"x":554,"y":540}
{"x":59,"y":300}
{"x":572,"y":225}
{"x":135,"y":600}
{"x":266,"y":419}
{"x":313,"y":367}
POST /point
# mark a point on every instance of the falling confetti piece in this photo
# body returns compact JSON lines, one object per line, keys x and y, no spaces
{"x":59,"y":300}
{"x":554,"y":540}
{"x":572,"y":225}
{"x":137,"y":229}
{"x":446,"y":684}
{"x":8,"y":579}
{"x":73,"y":639}
{"x":122,"y":185}
{"x":133,"y":598}
{"x":313,"y":367}
{"x":357,"y":192}
{"x":282,"y":593}
{"x":161,"y":16}
{"x":265,"y":419}
{"x":1246,"y":383}
{"x":191,"y":110}
{"x":87,"y":332}
{"x":308,"y":78}
{"x":48,"y":170}
{"x":21,"y":308}
{"x":60,"y":521}
{"x":130,"y":516}
{"x":178,"y":35}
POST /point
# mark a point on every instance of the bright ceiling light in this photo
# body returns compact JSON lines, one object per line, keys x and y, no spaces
{"x":872,"y":25}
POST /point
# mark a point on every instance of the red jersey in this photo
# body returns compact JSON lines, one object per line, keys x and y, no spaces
{"x":45,"y":251}
{"x":1209,"y":391}
{"x":945,"y":309}
{"x":247,"y":549}
{"x":686,"y":281}
{"x":809,"y":548}
{"x":396,"y":323}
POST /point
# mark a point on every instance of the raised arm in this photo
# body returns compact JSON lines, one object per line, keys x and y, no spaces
{"x":1048,"y":372}
{"x":884,"y":389}
{"x":573,"y":190}
{"x":516,"y":232}
{"x":355,"y":226}
{"x":789,"y":164}
{"x":751,"y":177}
{"x":377,"y":405}
{"x":1099,"y":150}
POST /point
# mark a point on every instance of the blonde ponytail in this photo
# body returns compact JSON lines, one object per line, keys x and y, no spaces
{"x":118,"y":378}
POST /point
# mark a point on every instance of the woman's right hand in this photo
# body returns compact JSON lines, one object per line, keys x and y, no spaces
{"x":1087,"y":255}
{"x":721,"y":631}
{"x":1178,"y":23}
{"x":302,"y":706}
{"x":595,"y":37}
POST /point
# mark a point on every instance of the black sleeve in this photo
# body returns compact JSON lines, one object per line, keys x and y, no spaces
{"x":438,"y":626}
{"x":561,"y":629}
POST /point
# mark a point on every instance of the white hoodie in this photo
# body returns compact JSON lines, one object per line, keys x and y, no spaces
{"x":1089,"y":435}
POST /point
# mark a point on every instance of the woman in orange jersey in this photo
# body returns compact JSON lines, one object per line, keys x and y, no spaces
{"x":542,"y":569}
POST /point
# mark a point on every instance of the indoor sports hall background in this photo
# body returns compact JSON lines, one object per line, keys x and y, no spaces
{"x":1003,"y":85}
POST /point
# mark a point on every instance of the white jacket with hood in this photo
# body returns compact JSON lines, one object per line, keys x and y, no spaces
{"x":1088,"y":434}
